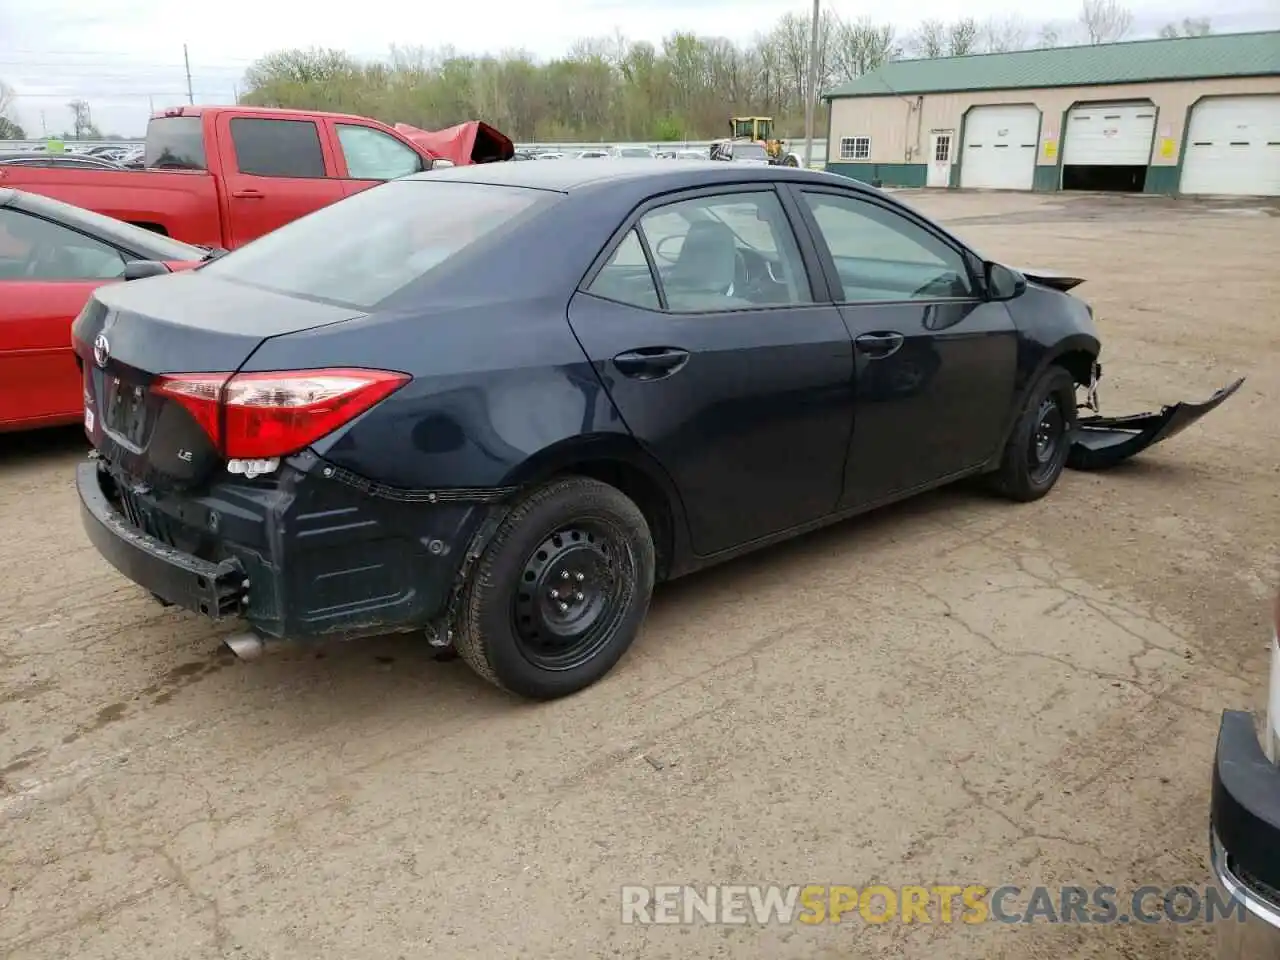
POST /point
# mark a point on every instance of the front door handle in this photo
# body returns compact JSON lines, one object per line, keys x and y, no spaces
{"x":879,"y":345}
{"x":651,"y":363}
{"x":249,"y":194}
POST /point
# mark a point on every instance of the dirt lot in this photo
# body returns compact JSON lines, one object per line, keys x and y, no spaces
{"x":956,"y":690}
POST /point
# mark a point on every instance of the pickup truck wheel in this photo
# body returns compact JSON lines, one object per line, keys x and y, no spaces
{"x":1037,"y":450}
{"x":560,"y":591}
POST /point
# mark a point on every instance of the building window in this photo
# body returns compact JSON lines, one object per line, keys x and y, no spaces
{"x":942,"y":148}
{"x":855,"y":148}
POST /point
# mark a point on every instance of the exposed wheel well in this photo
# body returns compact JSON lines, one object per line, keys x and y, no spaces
{"x":1078,"y":363}
{"x":153,"y":227}
{"x":645,"y":493}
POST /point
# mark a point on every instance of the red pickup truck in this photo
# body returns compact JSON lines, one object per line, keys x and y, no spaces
{"x":222,"y":176}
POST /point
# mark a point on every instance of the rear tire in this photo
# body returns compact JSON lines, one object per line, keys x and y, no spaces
{"x":1037,"y":450}
{"x":560,"y":591}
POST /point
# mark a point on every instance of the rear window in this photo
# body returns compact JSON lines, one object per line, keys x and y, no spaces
{"x":749,"y":151}
{"x":360,"y":251}
{"x":175,"y":143}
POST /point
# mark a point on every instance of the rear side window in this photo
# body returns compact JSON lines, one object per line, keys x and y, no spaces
{"x":627,"y":278}
{"x":277,"y":148}
{"x":175,"y":143}
{"x":362,"y":250}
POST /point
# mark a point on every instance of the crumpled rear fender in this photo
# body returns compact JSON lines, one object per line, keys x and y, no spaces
{"x":1102,"y":442}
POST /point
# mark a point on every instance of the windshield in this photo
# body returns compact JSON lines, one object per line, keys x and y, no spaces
{"x":360,"y":251}
{"x":749,"y":151}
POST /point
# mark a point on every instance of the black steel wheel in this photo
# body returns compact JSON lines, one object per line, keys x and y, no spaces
{"x":1047,"y":448}
{"x":1037,"y":450}
{"x":573,"y":591}
{"x":560,"y":591}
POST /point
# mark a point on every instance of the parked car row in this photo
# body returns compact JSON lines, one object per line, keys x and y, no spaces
{"x":613,"y":153}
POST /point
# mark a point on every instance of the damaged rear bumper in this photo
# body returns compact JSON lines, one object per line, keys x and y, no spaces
{"x":1102,"y":442}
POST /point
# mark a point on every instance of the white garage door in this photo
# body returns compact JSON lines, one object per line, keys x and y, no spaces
{"x":999,"y":149}
{"x":1233,"y":147}
{"x":1109,"y":134}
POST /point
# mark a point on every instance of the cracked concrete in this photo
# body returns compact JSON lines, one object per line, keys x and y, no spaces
{"x":953,"y":690}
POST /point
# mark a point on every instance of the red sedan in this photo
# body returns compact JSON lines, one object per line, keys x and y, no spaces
{"x":52,"y":256}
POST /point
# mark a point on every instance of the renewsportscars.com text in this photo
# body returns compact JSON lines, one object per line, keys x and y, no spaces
{"x":940,"y":903}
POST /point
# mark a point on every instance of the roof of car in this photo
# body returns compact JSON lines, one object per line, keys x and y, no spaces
{"x":567,"y":175}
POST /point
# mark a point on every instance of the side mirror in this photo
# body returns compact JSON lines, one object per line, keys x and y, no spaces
{"x":138,"y":269}
{"x":1003,"y":283}
{"x":441,"y":164}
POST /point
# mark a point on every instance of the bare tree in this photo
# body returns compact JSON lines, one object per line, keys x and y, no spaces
{"x":9,"y":128}
{"x":962,"y":37}
{"x":1048,"y":37}
{"x":1004,"y":34}
{"x":1187,"y":27}
{"x":929,"y":39}
{"x":81,"y":122}
{"x":1105,"y":21}
{"x":861,"y":46}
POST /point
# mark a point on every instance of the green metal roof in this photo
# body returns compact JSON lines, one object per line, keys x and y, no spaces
{"x":1136,"y":61}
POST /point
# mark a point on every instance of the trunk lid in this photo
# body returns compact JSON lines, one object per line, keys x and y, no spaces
{"x":130,"y":334}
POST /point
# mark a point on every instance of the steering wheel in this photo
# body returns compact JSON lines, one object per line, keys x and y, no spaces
{"x":667,"y":241}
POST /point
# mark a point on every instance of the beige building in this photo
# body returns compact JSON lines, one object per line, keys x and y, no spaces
{"x":1194,"y":115}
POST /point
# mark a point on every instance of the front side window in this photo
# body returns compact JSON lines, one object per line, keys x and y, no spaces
{"x":373,"y":155}
{"x":881,"y":255}
{"x":730,"y":251}
{"x":277,"y":148}
{"x":35,"y":249}
{"x":362,"y":250}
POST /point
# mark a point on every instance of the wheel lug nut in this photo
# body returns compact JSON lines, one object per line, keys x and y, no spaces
{"x":564,"y":607}
{"x":555,"y":594}
{"x":579,"y":577}
{"x":577,"y":596}
{"x":564,"y":574}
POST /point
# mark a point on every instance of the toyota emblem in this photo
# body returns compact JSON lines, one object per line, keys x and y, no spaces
{"x":101,"y":349}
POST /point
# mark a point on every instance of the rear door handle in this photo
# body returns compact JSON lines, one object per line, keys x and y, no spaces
{"x":879,"y":345}
{"x":651,"y":363}
{"x":249,"y":194}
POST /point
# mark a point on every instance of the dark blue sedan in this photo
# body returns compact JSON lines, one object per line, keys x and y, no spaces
{"x":495,"y":404}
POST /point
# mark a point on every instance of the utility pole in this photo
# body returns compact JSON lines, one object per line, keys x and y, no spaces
{"x":187,"y":60}
{"x":811,"y":88}
{"x":151,"y":105}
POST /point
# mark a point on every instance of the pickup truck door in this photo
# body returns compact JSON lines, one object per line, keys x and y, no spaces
{"x":276,"y":169}
{"x":368,"y":156}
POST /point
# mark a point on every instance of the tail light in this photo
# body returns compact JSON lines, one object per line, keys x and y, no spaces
{"x":264,"y":415}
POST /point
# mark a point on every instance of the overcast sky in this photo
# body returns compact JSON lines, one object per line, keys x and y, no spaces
{"x":122,"y":55}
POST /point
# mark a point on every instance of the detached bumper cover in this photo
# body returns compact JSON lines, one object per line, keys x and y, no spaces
{"x":1102,"y":442}
{"x":211,"y":589}
{"x":1245,"y":819}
